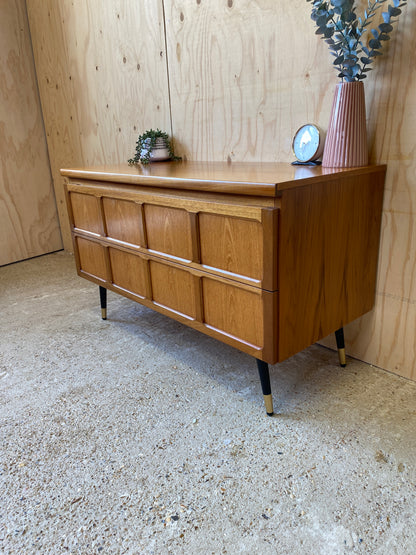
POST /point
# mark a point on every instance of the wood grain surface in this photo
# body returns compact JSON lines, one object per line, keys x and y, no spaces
{"x":329,"y":239}
{"x":129,"y":272}
{"x":28,"y":218}
{"x":124,"y":221}
{"x":168,"y":231}
{"x":92,"y":258}
{"x":87,"y":213}
{"x":235,"y":312}
{"x":233,"y":244}
{"x":245,"y":178}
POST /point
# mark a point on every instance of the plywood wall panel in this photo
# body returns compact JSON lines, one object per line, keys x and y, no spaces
{"x":28,"y":218}
{"x":397,"y":268}
{"x":241,"y":83}
{"x":103,"y":79}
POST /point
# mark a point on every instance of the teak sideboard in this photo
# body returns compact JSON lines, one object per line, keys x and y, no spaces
{"x":266,"y":257}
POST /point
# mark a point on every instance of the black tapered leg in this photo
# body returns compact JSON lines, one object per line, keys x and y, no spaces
{"x":103,"y":302}
{"x":339,"y":336}
{"x":265,"y":385}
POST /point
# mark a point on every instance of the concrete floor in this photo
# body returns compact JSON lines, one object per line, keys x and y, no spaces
{"x":138,"y":435}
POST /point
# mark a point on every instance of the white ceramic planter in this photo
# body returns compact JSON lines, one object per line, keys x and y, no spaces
{"x":159,"y":152}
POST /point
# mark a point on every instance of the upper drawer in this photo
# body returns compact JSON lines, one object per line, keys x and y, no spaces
{"x":234,"y":240}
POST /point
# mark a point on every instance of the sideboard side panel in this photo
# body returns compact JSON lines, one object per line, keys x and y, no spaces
{"x":329,"y":240}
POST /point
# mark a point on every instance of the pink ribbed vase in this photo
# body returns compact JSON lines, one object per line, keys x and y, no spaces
{"x":346,"y":139}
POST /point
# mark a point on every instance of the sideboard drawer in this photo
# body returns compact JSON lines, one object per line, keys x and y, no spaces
{"x":175,"y":289}
{"x":235,"y":241}
{"x":91,"y":258}
{"x":225,"y":309}
{"x":234,"y":311}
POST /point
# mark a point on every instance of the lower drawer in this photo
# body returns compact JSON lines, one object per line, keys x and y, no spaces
{"x":240,"y":315}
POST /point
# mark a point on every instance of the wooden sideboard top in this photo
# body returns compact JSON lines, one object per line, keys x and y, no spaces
{"x":244,"y":178}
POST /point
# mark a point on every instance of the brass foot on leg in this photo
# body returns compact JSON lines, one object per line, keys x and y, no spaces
{"x":342,"y":358}
{"x":265,"y":385}
{"x":339,"y":336}
{"x":103,"y":302}
{"x":268,"y":403}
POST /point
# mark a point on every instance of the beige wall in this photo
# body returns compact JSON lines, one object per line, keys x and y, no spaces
{"x":28,"y":219}
{"x":243,"y":76}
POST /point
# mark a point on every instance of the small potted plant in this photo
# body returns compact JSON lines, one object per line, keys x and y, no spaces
{"x":153,"y":146}
{"x":344,"y":32}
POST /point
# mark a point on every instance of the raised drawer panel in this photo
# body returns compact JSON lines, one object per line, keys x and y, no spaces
{"x":124,"y":221}
{"x":129,"y":272}
{"x":232,"y":244}
{"x":91,"y":258}
{"x":168,"y":231}
{"x":233,"y":311}
{"x":86,"y":213}
{"x":174,"y":289}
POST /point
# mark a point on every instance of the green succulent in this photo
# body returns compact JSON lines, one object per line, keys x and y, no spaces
{"x":343,"y":31}
{"x":145,"y":144}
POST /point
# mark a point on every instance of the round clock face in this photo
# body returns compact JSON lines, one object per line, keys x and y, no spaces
{"x":307,"y":143}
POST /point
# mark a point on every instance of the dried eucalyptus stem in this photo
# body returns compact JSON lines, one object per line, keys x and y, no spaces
{"x":343,"y":31}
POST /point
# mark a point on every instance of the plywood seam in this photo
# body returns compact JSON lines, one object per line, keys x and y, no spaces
{"x":41,"y":110}
{"x":167,"y":67}
{"x":29,"y":224}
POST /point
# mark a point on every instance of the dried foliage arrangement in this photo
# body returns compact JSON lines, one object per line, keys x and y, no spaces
{"x":345,"y":33}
